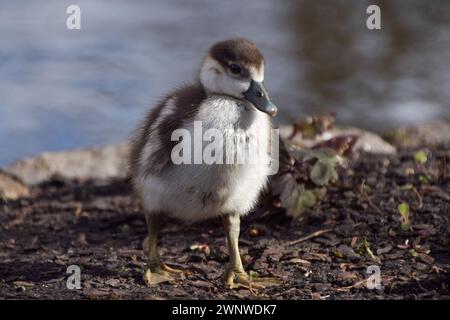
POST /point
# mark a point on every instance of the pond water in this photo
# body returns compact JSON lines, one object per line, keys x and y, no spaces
{"x":63,"y":88}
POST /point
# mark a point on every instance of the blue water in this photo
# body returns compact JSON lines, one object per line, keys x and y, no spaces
{"x":63,"y":89}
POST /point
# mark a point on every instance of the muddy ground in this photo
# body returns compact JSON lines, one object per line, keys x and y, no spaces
{"x":95,"y":225}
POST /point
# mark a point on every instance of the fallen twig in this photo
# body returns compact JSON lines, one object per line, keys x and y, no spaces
{"x":367,"y":198}
{"x":309,"y":236}
{"x":352,"y":286}
{"x":419,"y":197}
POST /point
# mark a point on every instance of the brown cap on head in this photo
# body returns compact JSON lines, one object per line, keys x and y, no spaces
{"x":237,"y":49}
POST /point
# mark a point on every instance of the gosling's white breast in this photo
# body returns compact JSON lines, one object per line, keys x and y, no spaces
{"x":199,"y":191}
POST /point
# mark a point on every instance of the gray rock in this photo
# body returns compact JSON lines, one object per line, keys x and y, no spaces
{"x":427,"y":134}
{"x":10,"y":187}
{"x":367,"y":141}
{"x":97,"y":163}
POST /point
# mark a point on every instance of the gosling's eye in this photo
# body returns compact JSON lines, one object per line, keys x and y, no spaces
{"x":235,"y":68}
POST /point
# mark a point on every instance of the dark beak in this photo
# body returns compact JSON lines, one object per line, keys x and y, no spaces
{"x":257,"y":95}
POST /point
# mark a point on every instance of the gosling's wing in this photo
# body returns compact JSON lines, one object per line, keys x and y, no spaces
{"x":151,"y":147}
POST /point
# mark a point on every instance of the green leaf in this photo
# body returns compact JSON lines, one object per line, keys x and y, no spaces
{"x":367,"y":188}
{"x":305,"y":199}
{"x":406,"y":187}
{"x":319,"y":193}
{"x":413,"y":253}
{"x":403,"y":208}
{"x":320,"y":168}
{"x":421,"y":157}
{"x":293,"y":196}
{"x":323,"y":172}
{"x":374,"y":257}
{"x":424,"y":179}
{"x":405,"y":226}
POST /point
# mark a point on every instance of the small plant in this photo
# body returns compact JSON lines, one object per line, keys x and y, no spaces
{"x":421,"y":157}
{"x":364,"y":247}
{"x":306,"y":173}
{"x":423,"y":178}
{"x":403,"y":209}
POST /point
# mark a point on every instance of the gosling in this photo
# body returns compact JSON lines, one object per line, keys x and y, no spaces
{"x":228,"y":97}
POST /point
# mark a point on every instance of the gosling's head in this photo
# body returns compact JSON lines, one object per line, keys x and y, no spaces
{"x":235,"y":68}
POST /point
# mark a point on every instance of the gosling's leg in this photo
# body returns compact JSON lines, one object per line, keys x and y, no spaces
{"x":157,"y":271}
{"x":235,"y":276}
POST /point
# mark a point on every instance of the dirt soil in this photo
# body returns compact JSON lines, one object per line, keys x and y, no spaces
{"x":97,"y":226}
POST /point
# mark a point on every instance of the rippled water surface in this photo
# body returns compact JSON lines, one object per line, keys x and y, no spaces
{"x":62,"y":89}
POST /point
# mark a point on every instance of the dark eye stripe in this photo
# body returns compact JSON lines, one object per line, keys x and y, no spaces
{"x":245,"y":73}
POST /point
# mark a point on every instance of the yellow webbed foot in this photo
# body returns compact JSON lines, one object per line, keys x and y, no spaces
{"x":240,"y":279}
{"x":163,"y":273}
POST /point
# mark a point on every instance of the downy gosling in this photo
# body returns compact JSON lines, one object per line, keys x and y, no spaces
{"x":229,"y":99}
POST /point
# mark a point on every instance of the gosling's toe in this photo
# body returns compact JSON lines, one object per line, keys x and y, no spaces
{"x":239,"y":279}
{"x":163,"y":273}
